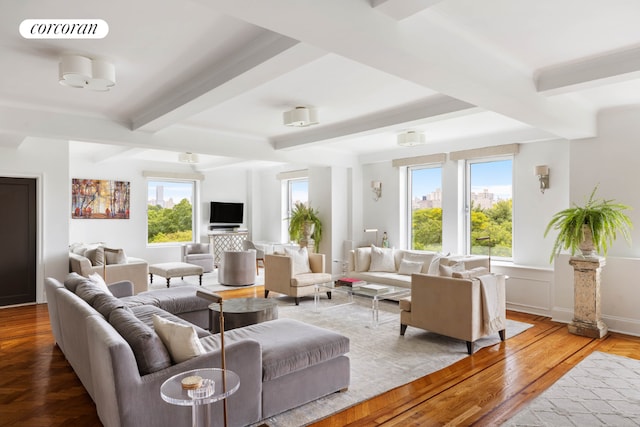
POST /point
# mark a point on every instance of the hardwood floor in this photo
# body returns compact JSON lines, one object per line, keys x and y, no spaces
{"x":39,"y":388}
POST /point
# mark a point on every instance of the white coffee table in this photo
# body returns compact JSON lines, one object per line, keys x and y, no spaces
{"x":385,"y":292}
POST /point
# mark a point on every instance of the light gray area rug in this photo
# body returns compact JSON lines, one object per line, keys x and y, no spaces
{"x":209,"y":281}
{"x":601,"y":390}
{"x":380,"y":358}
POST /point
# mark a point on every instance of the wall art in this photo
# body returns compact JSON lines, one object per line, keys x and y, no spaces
{"x":99,"y":199}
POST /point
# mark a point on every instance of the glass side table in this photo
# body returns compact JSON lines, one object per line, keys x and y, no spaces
{"x":212,"y":390}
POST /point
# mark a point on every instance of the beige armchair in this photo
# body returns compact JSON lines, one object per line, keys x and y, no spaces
{"x":198,"y":254}
{"x":454,"y":307}
{"x":279,"y":276}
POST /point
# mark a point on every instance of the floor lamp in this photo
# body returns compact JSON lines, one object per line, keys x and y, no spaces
{"x":215,"y":298}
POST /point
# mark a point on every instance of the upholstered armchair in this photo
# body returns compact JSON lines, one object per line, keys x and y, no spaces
{"x":294,"y":273}
{"x":455,"y":307}
{"x":237,"y":268}
{"x":249,"y":245}
{"x":198,"y":254}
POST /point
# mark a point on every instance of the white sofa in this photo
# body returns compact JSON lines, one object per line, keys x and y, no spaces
{"x":404,"y":262}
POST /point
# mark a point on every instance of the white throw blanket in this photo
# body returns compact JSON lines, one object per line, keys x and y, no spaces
{"x":492,"y":320}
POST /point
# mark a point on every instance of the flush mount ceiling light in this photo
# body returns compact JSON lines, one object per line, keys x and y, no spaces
{"x":300,"y":117}
{"x":188,"y":157}
{"x":411,"y":138}
{"x":82,"y":72}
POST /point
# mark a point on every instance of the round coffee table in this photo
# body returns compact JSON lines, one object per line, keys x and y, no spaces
{"x":239,"y":312}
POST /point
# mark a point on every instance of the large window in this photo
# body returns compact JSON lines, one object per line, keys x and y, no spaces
{"x":170,"y":213}
{"x":489,"y":197}
{"x":297,"y":192}
{"x":425,"y":208}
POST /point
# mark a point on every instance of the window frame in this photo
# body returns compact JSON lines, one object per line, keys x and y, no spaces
{"x":467,"y":201}
{"x":195,"y":213}
{"x":409,"y":202}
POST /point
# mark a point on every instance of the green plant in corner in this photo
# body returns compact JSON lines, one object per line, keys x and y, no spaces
{"x":302,"y":214}
{"x":600,"y":218}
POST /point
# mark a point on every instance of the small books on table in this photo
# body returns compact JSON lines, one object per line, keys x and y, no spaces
{"x":373,"y":289}
{"x":350,"y":282}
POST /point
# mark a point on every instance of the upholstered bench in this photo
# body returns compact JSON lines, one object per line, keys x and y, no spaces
{"x":175,"y":269}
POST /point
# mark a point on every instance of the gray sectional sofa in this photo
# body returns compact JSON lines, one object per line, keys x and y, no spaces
{"x":281,"y":363}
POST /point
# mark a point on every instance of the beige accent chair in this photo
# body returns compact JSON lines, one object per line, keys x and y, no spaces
{"x":237,"y":268}
{"x":198,"y":254}
{"x":452,"y":307}
{"x":279,"y":276}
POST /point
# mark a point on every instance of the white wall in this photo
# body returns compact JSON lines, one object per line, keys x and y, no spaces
{"x":47,"y":160}
{"x":131,"y":235}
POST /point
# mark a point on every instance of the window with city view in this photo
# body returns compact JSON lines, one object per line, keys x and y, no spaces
{"x":425,"y":190}
{"x":490,"y":207}
{"x":170,"y":211}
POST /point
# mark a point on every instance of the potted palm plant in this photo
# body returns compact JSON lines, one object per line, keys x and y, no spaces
{"x":590,"y":228}
{"x":305,"y":225}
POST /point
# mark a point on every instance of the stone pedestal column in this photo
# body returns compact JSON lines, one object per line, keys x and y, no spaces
{"x":587,"y":309}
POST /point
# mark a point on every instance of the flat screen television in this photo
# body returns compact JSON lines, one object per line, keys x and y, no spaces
{"x":226,"y":213}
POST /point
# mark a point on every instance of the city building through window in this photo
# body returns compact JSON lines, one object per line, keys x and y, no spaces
{"x":170,"y":213}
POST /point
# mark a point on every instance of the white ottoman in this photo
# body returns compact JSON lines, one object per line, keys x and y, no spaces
{"x":175,"y":269}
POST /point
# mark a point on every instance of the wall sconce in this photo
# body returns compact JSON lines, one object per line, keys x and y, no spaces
{"x":376,"y":187}
{"x":372,"y":230}
{"x":542,"y":172}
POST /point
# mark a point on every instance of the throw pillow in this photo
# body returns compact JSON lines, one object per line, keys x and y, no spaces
{"x":409,"y":267}
{"x":150,"y":352}
{"x":382,"y":260}
{"x":434,"y":265}
{"x":95,"y":255}
{"x":447,"y":270}
{"x":106,"y":303}
{"x":423,"y":258}
{"x":300,"y":259}
{"x":362,"y":259}
{"x":73,"y":280}
{"x":88,"y":291}
{"x":99,"y":281}
{"x":181,"y":340}
{"x":115,"y":256}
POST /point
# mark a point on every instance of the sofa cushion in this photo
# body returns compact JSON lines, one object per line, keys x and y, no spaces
{"x":308,"y":279}
{"x":382,"y":259}
{"x":300,"y":260}
{"x":470,"y":274}
{"x":181,"y":340}
{"x":88,"y":291}
{"x":409,"y":267}
{"x":405,"y":304}
{"x":424,"y":258}
{"x":73,"y":280}
{"x":150,"y":352}
{"x":175,"y":300}
{"x":447,"y":270}
{"x":115,"y":256}
{"x":362,"y":259}
{"x":146,"y":312}
{"x":106,"y":303}
{"x":287,"y":345}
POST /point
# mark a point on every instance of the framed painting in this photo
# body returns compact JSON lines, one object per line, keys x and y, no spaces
{"x":99,"y":199}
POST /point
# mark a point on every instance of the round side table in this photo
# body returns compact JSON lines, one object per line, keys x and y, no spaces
{"x":199,"y":399}
{"x":239,"y":312}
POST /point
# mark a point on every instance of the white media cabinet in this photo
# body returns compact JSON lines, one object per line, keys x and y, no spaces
{"x":221,"y":240}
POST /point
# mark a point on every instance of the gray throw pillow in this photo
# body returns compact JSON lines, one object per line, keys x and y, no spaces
{"x":106,"y":303}
{"x":88,"y":291}
{"x":150,"y":353}
{"x":95,"y":255}
{"x":115,"y":256}
{"x":73,"y":280}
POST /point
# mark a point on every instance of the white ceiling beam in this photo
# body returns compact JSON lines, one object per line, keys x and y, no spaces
{"x":433,"y":108}
{"x":402,"y":9}
{"x":267,"y":58}
{"x":587,"y":73}
{"x":433,"y":56}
